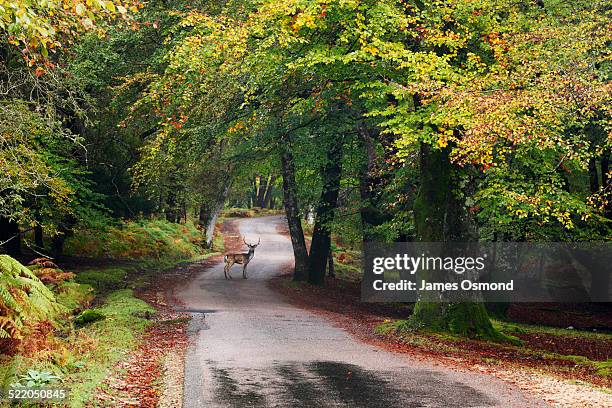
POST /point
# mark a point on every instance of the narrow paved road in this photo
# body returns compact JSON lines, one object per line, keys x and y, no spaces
{"x":252,"y":349}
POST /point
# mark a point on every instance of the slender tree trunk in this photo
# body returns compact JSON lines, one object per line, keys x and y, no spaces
{"x":321,"y":236}
{"x":605,"y":180}
{"x":171,"y":208}
{"x":292,"y":211}
{"x":261,"y":193}
{"x":600,"y":275}
{"x":605,"y":168}
{"x":253,"y":196}
{"x":267,"y":203}
{"x":38,"y":237}
{"x":10,"y":236}
{"x":593,"y":177}
{"x":202,"y":217}
{"x":57,"y":245}
{"x":437,"y":216}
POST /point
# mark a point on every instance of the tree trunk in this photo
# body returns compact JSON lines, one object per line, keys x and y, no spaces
{"x":57,"y":245}
{"x":593,"y":177}
{"x":38,"y":237}
{"x":171,"y":213}
{"x":261,"y":193}
{"x":437,"y":216}
{"x":10,"y":237}
{"x":605,"y":180}
{"x":253,"y":196}
{"x":65,"y":229}
{"x":209,"y":214}
{"x":202,"y":217}
{"x":292,"y":211}
{"x":321,"y":236}
{"x":267,"y":203}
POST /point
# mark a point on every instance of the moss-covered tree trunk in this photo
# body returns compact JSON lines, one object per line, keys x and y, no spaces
{"x":438,"y":218}
{"x":321,"y":236}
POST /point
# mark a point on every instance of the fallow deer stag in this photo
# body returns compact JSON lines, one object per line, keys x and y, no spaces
{"x":240,"y":258}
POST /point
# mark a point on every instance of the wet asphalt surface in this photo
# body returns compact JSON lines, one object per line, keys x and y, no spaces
{"x":251,"y":349}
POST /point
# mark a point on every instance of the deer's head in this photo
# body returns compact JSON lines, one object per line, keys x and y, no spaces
{"x":251,"y":246}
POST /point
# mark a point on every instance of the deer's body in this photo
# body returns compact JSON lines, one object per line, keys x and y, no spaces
{"x":242,"y":258}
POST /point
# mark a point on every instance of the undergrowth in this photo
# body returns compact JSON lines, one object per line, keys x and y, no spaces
{"x":83,"y":357}
{"x":24,"y":299}
{"x":158,"y":239}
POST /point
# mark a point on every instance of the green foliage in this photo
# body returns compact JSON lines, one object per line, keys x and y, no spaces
{"x":41,"y":184}
{"x":24,"y":299}
{"x":138,"y":240}
{"x":512,"y":328}
{"x":37,"y":379}
{"x":477,"y":78}
{"x":42,"y":113}
{"x":39,"y":26}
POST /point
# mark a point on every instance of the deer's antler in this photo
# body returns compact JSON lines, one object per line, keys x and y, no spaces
{"x":259,"y":241}
{"x":244,"y":240}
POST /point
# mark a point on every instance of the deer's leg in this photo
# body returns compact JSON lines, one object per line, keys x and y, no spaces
{"x":227,"y":270}
{"x":244,"y":271}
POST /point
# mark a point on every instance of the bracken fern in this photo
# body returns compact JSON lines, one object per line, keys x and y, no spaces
{"x":23,"y":299}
